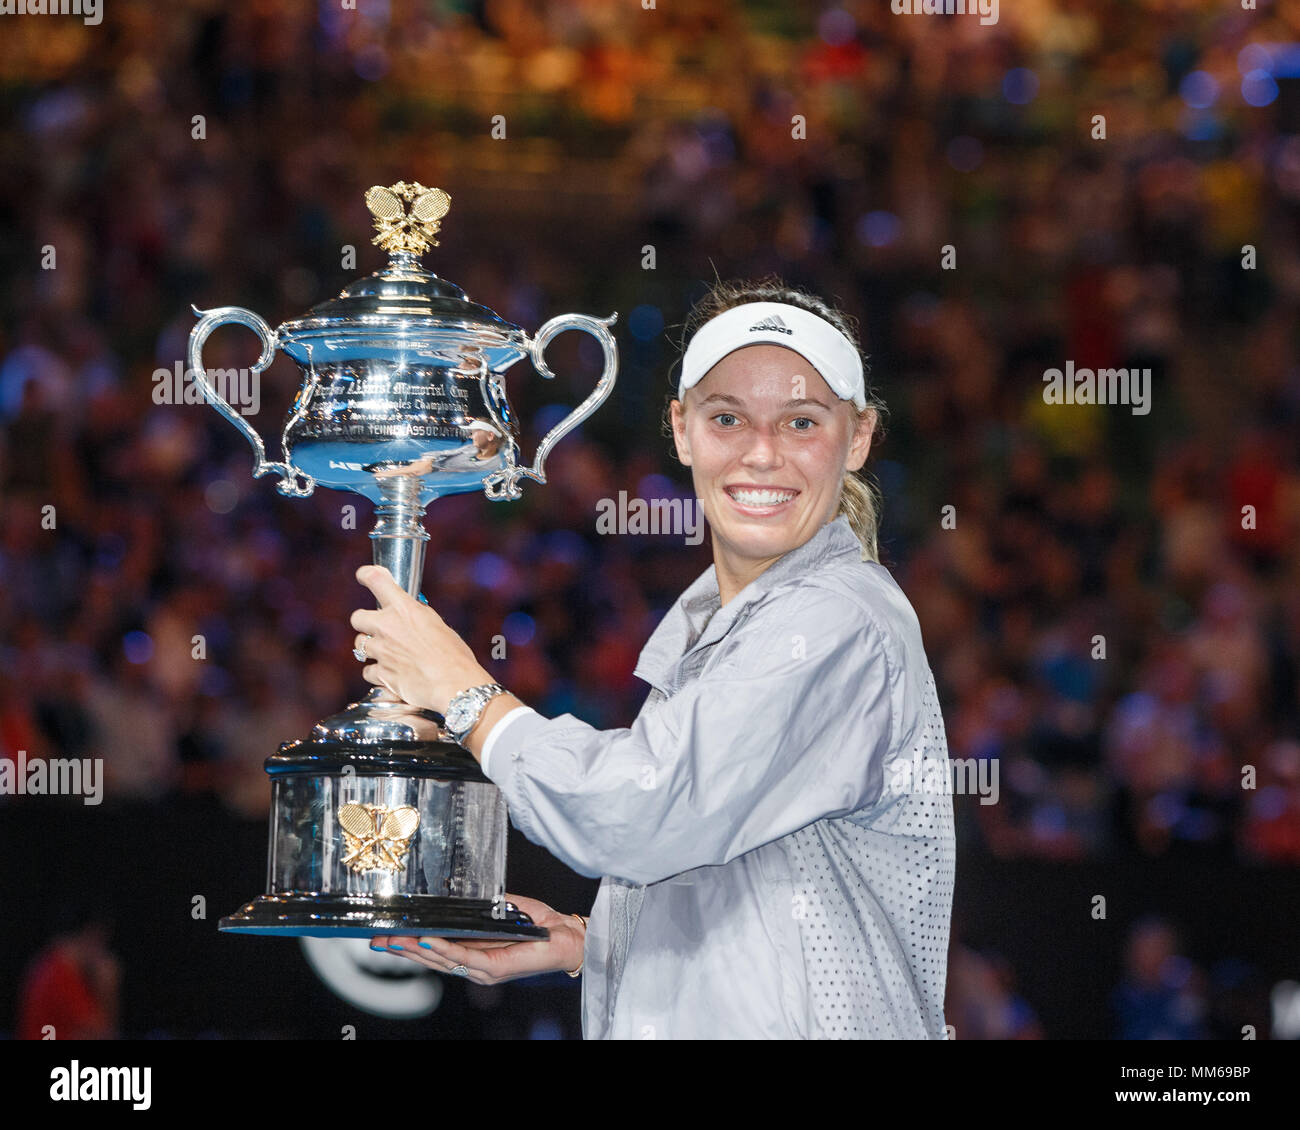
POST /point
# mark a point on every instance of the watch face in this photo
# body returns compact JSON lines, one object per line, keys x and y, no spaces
{"x":460,"y":715}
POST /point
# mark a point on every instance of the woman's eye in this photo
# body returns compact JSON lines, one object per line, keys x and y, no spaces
{"x":807,"y":419}
{"x":724,"y":416}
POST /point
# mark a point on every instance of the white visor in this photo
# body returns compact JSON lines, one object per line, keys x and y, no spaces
{"x":482,"y":426}
{"x":777,"y":323}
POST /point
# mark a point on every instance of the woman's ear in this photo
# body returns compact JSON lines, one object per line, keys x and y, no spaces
{"x":679,"y":432}
{"x":860,"y":445}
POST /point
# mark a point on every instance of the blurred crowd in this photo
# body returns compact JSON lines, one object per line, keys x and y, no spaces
{"x":1113,"y":608}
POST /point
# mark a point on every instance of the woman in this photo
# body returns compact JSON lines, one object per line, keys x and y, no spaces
{"x":767,"y":868}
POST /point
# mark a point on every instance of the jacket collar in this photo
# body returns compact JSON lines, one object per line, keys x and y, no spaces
{"x":699,"y":619}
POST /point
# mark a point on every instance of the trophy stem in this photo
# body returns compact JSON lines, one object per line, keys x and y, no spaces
{"x":399,"y":538}
{"x":399,"y":535}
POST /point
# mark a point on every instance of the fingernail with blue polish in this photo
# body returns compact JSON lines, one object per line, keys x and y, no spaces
{"x":426,"y":945}
{"x":393,"y":947}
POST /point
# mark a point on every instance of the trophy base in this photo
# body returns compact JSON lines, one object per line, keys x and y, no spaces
{"x":364,"y":916}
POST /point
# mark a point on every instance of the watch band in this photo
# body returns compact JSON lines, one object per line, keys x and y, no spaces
{"x":483,"y":695}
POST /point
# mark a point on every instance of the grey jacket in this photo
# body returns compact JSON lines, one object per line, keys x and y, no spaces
{"x":764,"y":872}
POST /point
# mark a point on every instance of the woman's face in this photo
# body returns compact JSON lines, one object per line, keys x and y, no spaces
{"x":768,"y":444}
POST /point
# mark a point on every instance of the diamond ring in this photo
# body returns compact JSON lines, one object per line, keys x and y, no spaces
{"x":360,"y":652}
{"x":461,"y":971}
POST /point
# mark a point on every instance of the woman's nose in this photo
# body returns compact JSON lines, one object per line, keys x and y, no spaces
{"x":762,"y":449}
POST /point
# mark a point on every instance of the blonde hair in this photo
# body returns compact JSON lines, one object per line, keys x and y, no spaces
{"x":860,"y":498}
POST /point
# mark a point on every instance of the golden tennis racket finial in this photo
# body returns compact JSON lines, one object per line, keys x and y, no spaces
{"x":403,"y":228}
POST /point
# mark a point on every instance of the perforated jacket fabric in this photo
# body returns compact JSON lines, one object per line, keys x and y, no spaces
{"x":764,"y":873}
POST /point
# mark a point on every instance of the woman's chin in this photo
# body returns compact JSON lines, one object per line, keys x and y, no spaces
{"x":756,"y":537}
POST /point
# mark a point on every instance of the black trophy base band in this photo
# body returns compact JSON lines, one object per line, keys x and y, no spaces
{"x":361,"y":916}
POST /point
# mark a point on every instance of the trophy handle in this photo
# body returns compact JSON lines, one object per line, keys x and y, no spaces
{"x":504,"y":484}
{"x":209,"y":320}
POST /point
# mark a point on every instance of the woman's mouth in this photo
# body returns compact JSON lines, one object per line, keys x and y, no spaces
{"x":760,"y":501}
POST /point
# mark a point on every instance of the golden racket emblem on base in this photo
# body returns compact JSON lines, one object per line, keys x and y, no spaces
{"x":377,"y":838}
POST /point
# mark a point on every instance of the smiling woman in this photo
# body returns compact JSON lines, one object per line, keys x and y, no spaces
{"x":762,"y":875}
{"x":739,"y":336}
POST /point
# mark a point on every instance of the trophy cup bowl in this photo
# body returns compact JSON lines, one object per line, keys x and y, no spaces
{"x":379,"y":823}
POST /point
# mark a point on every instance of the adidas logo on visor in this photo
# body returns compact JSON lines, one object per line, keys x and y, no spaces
{"x":772,"y":323}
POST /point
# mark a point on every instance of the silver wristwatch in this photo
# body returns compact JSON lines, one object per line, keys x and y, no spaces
{"x":466,"y":708}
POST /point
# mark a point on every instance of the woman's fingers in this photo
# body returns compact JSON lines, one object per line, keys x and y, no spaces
{"x":410,"y":948}
{"x":515,"y":959}
{"x":374,"y":673}
{"x":491,"y":963}
{"x":488,"y":961}
{"x":366,"y":621}
{"x":380,"y":582}
{"x":424,"y":952}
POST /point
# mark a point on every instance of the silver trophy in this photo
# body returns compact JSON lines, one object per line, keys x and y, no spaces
{"x":379,"y":823}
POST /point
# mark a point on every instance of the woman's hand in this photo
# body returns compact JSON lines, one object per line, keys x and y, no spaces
{"x":491,"y":962}
{"x":416,"y":655}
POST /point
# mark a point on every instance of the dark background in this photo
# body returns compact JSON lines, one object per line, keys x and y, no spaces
{"x":671,"y":128}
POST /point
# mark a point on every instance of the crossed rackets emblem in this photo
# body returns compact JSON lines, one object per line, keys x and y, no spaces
{"x":377,"y":838}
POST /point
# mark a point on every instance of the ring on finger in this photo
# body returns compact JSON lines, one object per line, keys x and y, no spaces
{"x":360,"y":652}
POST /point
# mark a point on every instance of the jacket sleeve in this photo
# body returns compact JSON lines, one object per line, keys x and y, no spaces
{"x":790,"y":724}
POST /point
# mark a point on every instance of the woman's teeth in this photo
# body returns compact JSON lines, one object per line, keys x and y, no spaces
{"x":761,"y":497}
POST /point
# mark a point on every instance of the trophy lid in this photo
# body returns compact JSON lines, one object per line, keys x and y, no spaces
{"x":404,"y":295}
